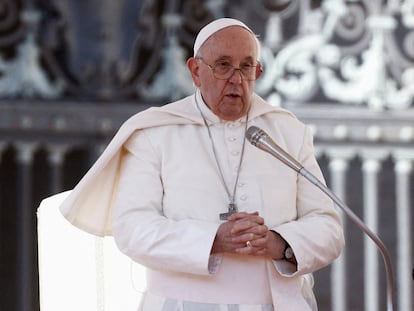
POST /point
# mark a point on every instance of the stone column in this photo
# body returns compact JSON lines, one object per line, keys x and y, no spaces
{"x":338,"y":166}
{"x":56,"y":157}
{"x":26,"y":240}
{"x":403,"y":170}
{"x":371,"y":166}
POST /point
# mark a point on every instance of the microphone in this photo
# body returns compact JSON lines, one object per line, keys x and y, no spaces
{"x":260,"y":139}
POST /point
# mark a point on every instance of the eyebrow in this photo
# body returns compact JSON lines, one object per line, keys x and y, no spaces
{"x":225,"y":57}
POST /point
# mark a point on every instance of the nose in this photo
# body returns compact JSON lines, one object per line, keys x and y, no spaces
{"x":236,"y":76}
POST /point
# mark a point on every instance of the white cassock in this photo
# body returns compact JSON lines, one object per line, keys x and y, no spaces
{"x":157,"y":190}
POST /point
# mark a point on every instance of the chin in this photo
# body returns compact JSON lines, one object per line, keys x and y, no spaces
{"x":231,"y":116}
{"x":231,"y":111}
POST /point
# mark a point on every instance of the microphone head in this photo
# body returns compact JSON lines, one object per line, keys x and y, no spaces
{"x":254,"y":134}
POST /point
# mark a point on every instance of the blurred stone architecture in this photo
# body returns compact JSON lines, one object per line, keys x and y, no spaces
{"x":71,"y":71}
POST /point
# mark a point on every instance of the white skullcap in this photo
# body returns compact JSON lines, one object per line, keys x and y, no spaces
{"x":216,"y":25}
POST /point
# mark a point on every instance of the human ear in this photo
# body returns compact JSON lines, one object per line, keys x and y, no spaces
{"x":259,"y":70}
{"x":193,"y":67}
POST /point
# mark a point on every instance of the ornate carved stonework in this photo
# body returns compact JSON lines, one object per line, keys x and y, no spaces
{"x":335,"y":51}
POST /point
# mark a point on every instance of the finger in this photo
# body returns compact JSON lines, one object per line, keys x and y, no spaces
{"x":246,"y":248}
{"x":241,"y":215}
{"x":244,"y":238}
{"x":248,"y":226}
{"x":253,"y":218}
{"x":241,"y":226}
{"x":260,"y":230}
{"x":250,"y":249}
{"x":259,"y":242}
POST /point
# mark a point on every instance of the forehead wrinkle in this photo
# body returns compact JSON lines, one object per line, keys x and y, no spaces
{"x":225,"y":39}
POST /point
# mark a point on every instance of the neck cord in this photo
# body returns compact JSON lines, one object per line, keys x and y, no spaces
{"x":232,"y":206}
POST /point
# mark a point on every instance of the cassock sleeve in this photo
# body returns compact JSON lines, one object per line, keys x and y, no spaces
{"x":140,"y":228}
{"x":316,"y":235}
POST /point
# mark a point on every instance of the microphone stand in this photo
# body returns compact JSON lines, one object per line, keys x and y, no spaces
{"x":361,"y":225}
{"x":260,"y":139}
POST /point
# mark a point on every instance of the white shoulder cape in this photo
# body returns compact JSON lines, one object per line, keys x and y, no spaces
{"x":89,"y":205}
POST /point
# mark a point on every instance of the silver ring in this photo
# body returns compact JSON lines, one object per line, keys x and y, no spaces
{"x":248,"y":244}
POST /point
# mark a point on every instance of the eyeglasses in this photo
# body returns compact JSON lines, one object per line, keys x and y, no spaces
{"x":223,"y":70}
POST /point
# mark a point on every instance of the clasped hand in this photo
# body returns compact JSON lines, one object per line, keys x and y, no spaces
{"x":239,"y":229}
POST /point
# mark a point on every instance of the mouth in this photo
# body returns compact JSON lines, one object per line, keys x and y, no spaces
{"x":233,"y":95}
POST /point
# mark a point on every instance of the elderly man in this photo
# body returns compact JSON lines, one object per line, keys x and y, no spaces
{"x":219,"y":224}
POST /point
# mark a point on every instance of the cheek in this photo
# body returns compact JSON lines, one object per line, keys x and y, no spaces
{"x":210,"y":97}
{"x":211,"y":90}
{"x":248,"y":90}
